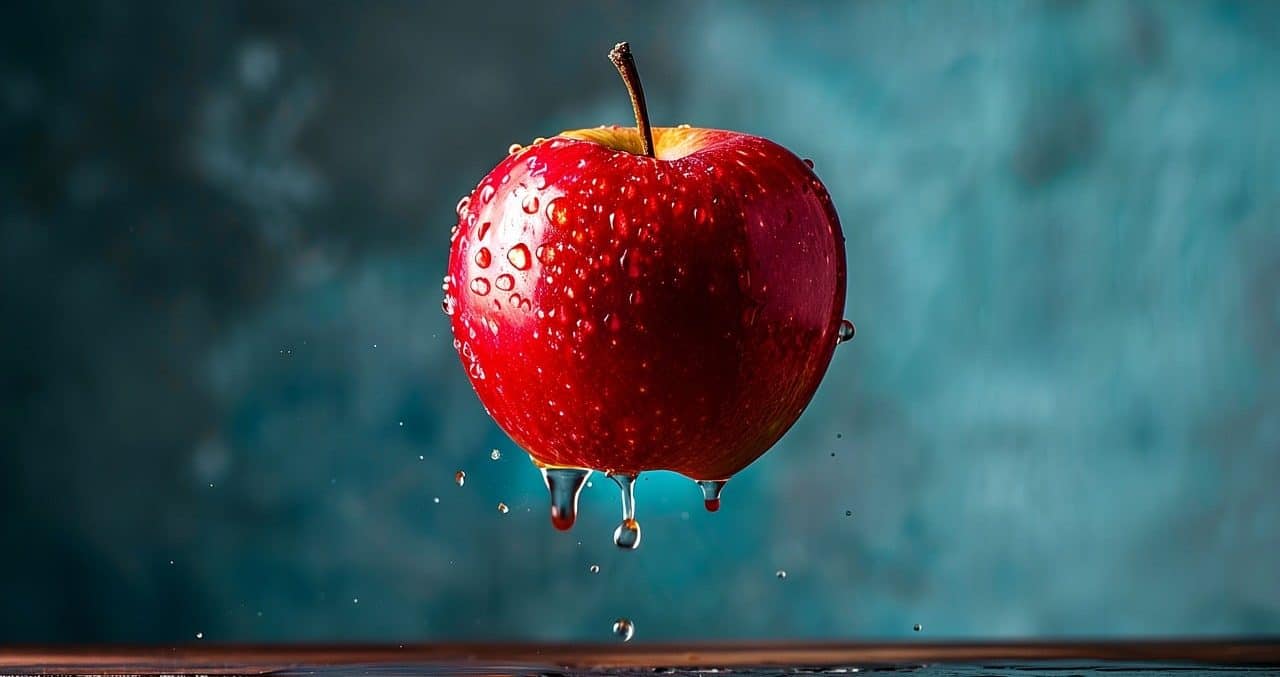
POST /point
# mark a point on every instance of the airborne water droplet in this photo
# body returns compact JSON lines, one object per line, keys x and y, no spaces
{"x":711,"y":493}
{"x":594,"y":568}
{"x":564,"y":485}
{"x":519,"y":256}
{"x":495,"y":455}
{"x":917,"y":627}
{"x":460,"y":478}
{"x":624,"y":629}
{"x":502,"y":508}
{"x":627,"y":535}
{"x":846,"y":332}
{"x":480,"y":286}
{"x":782,"y":574}
{"x":483,"y":257}
{"x":505,"y":282}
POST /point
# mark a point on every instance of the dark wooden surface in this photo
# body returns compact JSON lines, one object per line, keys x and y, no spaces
{"x":227,"y":659}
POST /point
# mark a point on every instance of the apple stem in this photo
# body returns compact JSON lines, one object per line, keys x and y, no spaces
{"x":621,"y":57}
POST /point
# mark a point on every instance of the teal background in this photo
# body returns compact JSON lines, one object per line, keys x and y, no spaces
{"x":230,"y":398}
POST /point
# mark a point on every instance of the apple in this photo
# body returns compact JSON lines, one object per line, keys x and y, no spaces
{"x":649,"y":298}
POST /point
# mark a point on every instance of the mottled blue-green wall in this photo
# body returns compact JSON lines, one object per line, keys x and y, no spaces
{"x":230,"y":398}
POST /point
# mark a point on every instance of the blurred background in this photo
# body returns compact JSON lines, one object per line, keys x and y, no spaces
{"x":231,"y":405}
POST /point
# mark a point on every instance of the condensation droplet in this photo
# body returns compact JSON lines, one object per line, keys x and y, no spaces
{"x":624,"y":629}
{"x":711,"y":493}
{"x":480,"y":286}
{"x":846,"y":331}
{"x":460,"y":478}
{"x":557,"y":213}
{"x":564,"y":485}
{"x":483,"y":257}
{"x":519,"y":256}
{"x":505,"y":282}
{"x":627,"y":535}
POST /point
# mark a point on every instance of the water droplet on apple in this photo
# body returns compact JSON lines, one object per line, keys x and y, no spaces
{"x":480,"y":286}
{"x":447,"y":305}
{"x":711,"y":493}
{"x":486,"y":194}
{"x":808,"y":163}
{"x":462,"y":205}
{"x":557,"y":213}
{"x":530,"y":204}
{"x":484,"y":230}
{"x":564,"y":485}
{"x":483,"y":257}
{"x":624,"y":629}
{"x":519,"y":255}
{"x":514,"y":148}
{"x":505,"y":282}
{"x":627,"y":535}
{"x":460,"y":478}
{"x":846,"y":331}
{"x":545,"y":253}
{"x":683,"y":126}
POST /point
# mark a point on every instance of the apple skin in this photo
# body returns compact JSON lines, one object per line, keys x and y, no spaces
{"x":626,"y":313}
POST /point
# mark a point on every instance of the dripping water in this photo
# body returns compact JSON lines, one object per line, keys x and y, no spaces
{"x":627,"y":535}
{"x":564,"y":485}
{"x":711,"y":493}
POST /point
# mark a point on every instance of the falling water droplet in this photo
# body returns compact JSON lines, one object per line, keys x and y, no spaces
{"x":530,"y":204}
{"x":519,"y":256}
{"x":460,"y":478}
{"x":627,"y":535}
{"x":624,"y":629}
{"x":917,"y":627}
{"x":781,"y":574}
{"x":495,"y":455}
{"x":711,"y":493}
{"x":505,"y":282}
{"x":480,"y":286}
{"x":483,"y":257}
{"x":564,"y":485}
{"x":594,"y":568}
{"x":846,"y":332}
{"x":502,"y":508}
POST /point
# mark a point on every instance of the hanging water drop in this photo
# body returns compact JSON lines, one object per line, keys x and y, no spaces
{"x":460,"y":478}
{"x":846,"y":332}
{"x":564,"y":485}
{"x":711,"y":493}
{"x":624,"y":629}
{"x":627,"y":535}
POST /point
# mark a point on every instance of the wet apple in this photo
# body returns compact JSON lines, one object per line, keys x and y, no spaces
{"x":648,"y":298}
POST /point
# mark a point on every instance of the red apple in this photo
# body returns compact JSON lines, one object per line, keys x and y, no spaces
{"x":626,"y":312}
